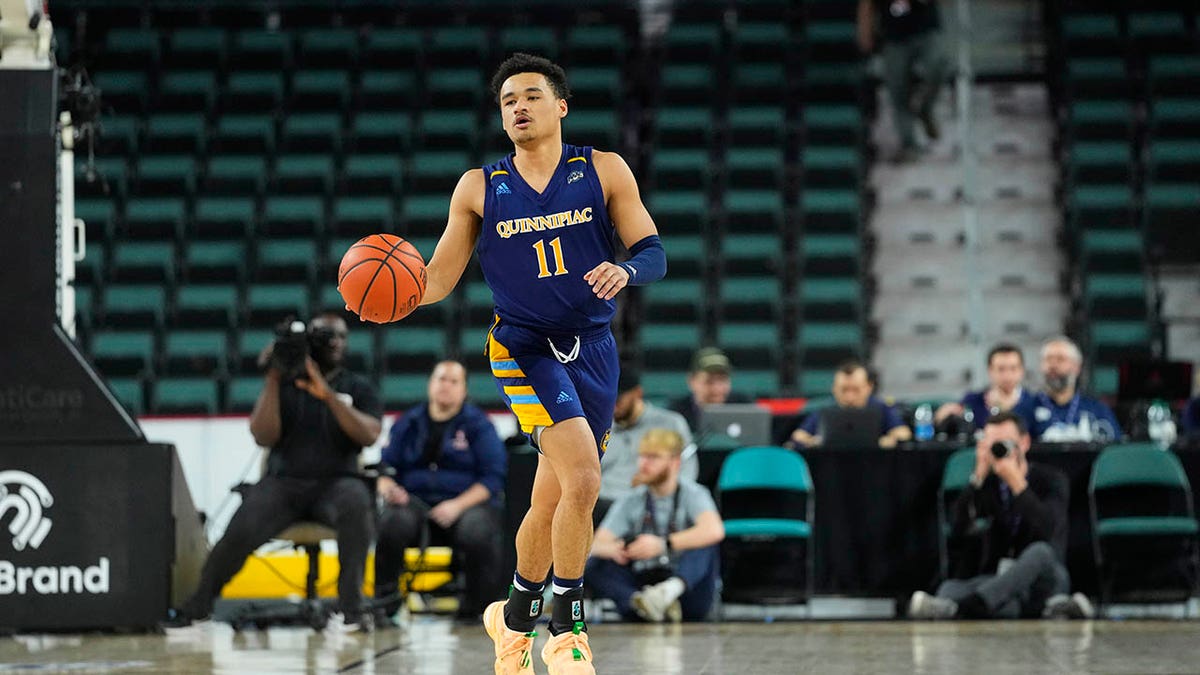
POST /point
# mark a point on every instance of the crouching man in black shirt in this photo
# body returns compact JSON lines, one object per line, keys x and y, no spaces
{"x":1009,"y":529}
{"x":316,"y":428}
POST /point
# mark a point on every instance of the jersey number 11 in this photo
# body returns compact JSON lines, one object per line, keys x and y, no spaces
{"x":543,"y":269}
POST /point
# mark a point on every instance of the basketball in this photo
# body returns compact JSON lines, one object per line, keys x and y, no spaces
{"x":382,"y":278}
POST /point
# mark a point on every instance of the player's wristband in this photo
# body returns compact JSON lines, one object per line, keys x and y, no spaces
{"x":647,"y":262}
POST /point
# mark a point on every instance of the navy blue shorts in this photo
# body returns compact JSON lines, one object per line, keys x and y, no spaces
{"x":541,"y":390}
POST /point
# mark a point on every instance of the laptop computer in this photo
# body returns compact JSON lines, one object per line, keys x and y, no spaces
{"x":745,"y":423}
{"x":850,"y":427}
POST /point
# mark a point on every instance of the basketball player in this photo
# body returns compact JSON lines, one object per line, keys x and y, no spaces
{"x":542,"y":221}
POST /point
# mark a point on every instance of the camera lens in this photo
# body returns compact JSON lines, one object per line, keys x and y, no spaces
{"x":1000,"y":449}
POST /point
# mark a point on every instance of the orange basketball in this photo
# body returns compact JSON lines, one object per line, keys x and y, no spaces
{"x":382,"y":278}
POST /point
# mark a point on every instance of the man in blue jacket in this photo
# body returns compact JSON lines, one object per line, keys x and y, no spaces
{"x":450,"y":471}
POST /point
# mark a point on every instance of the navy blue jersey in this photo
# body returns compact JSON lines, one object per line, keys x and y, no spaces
{"x":535,"y":248}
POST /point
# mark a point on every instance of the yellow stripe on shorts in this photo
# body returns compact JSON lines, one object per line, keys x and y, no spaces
{"x":529,"y":414}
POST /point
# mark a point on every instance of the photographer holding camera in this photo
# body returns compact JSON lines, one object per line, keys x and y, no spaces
{"x":1009,"y":528}
{"x":656,"y":554}
{"x":315,"y":417}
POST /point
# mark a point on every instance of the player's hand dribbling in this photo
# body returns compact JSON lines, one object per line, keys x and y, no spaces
{"x":606,"y":279}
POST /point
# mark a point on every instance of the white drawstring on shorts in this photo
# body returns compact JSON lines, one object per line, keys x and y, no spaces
{"x":565,"y":358}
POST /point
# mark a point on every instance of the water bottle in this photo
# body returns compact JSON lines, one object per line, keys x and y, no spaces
{"x":923,"y":422}
{"x":1160,"y":425}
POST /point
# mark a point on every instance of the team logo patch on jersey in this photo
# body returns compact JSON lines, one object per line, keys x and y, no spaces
{"x":502,"y":189}
{"x":574,"y":176}
{"x":564,"y":397}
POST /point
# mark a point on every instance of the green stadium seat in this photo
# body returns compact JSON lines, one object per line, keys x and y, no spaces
{"x":253,"y":91}
{"x":815,"y":382}
{"x":531,"y":40}
{"x":459,"y":46}
{"x":833,"y":123}
{"x":595,"y":44}
{"x":751,"y":253}
{"x":449,"y":129}
{"x":831,"y":299}
{"x":125,"y":352}
{"x":1101,"y":120}
{"x":760,"y":41}
{"x":262,"y":49}
{"x":206,"y":306}
{"x":360,"y":216}
{"x":195,"y":352}
{"x":289,"y":260}
{"x":138,"y":305}
{"x":268,"y":304}
{"x":1112,"y":341}
{"x":759,"y":83}
{"x":424,"y":215}
{"x":669,"y":345}
{"x":1100,"y":206}
{"x":360,"y":349}
{"x":595,"y":87}
{"x":1115,"y":296}
{"x":320,"y":90}
{"x":218,"y":260}
{"x":687,"y":85}
{"x":752,"y":345}
{"x":250,"y":342}
{"x":389,"y":47}
{"x":133,"y":48}
{"x":1091,"y":34}
{"x":1156,"y":25}
{"x":755,"y":167}
{"x":100,"y":217}
{"x":124,"y":90}
{"x":312,"y":132}
{"x":372,"y":175}
{"x":1175,"y":118}
{"x":1094,"y":77}
{"x":827,"y":83}
{"x":119,"y":135}
{"x":1173,"y":160}
{"x":754,"y":210}
{"x":684,"y":127}
{"x":243,"y":393}
{"x":750,"y":298}
{"x":155,"y":218}
{"x":437,"y":171}
{"x":187,"y":90}
{"x":381,"y":132}
{"x":1100,"y":162}
{"x":828,"y":343}
{"x":1173,"y":75}
{"x":224,"y":217}
{"x":166,"y":175}
{"x":93,"y":269}
{"x":830,"y":210}
{"x":831,"y":166}
{"x":693,"y":42}
{"x":184,"y":395}
{"x":682,"y":169}
{"x":662,"y":386}
{"x":245,"y":134}
{"x":294,"y":215}
{"x":680,"y":211}
{"x":386,"y":90}
{"x":400,"y":391}
{"x":197,"y":48}
{"x":328,"y":47}
{"x":129,"y":391}
{"x":304,"y":174}
{"x":687,"y":256}
{"x":1110,"y":251}
{"x":676,"y":299}
{"x":416,"y":348}
{"x":141,"y":261}
{"x":454,"y":88}
{"x":599,"y":128}
{"x":1103,"y":381}
{"x":111,"y":177}
{"x":235,"y":175}
{"x":758,"y":382}
{"x":763,"y":125}
{"x":1171,"y":213}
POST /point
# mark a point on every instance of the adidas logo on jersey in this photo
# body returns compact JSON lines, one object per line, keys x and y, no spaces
{"x":502,"y":189}
{"x":564,"y":397}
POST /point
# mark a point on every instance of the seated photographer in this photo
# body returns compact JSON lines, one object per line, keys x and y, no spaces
{"x":1062,"y":413}
{"x":316,"y":417}
{"x":1009,"y":537}
{"x":450,"y":470}
{"x":656,"y":552}
{"x":1006,"y":372}
{"x":854,"y":387}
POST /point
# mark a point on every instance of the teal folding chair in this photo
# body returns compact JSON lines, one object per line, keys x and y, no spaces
{"x":1142,"y":512}
{"x":955,"y":477}
{"x":767,"y":500}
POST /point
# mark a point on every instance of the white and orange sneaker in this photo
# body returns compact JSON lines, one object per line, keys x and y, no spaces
{"x":514,"y":650}
{"x":569,"y":653}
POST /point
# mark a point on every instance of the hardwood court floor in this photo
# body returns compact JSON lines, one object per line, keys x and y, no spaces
{"x":437,"y":647}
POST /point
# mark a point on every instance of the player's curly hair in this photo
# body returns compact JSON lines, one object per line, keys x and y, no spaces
{"x":521,"y":62}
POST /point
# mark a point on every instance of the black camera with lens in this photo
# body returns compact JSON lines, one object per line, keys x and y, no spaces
{"x":294,"y":343}
{"x":1000,"y":449}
